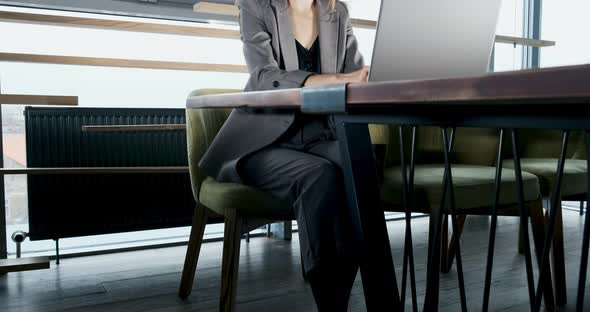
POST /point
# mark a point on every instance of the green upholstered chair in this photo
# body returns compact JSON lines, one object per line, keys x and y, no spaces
{"x":244,"y":208}
{"x":540,"y":153}
{"x":473,"y":171}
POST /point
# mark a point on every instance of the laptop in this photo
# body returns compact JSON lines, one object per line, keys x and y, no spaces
{"x":430,"y":39}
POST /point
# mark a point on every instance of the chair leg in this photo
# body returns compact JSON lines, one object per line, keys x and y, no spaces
{"x":558,"y":257}
{"x":538,"y":228}
{"x":192,"y":251}
{"x":449,"y":256}
{"x":445,"y":266}
{"x":433,"y":258}
{"x":520,"y":242}
{"x":231,"y":260}
{"x":431,"y":226}
{"x":544,"y":203}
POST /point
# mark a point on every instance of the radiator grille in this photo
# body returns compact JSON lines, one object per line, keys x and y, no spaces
{"x":79,"y":205}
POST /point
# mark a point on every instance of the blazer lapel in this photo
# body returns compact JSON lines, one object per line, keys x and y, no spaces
{"x":285,"y":34}
{"x":328,"y":29}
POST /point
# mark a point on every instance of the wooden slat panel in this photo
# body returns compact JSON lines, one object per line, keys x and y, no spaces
{"x":216,"y":8}
{"x":198,"y":31}
{"x":93,"y":170}
{"x":363,"y":23}
{"x":524,"y":41}
{"x":128,"y":128}
{"x":112,"y":62}
{"x":23,"y":264}
{"x":121,"y":25}
{"x":22,"y":99}
{"x":558,"y":84}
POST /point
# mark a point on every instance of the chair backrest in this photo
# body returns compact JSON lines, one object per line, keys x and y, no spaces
{"x":475,"y":146}
{"x":580,"y":146}
{"x":534,"y":143}
{"x":472,"y":146}
{"x":202,"y":125}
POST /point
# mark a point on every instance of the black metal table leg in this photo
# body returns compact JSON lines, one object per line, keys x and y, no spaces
{"x":492,"y":238}
{"x":555,"y":197}
{"x":408,"y":203}
{"x":450,"y":189}
{"x":586,"y":239}
{"x":377,"y":270}
{"x":524,"y":217}
{"x":434,"y":249}
{"x":57,"y":251}
{"x":413,"y":205}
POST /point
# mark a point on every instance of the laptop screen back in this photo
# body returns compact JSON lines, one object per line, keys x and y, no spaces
{"x":422,"y":39}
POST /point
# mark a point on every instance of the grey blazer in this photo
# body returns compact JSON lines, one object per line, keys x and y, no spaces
{"x":271,"y":56}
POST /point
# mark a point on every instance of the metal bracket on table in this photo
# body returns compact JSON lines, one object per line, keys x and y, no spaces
{"x":328,"y":99}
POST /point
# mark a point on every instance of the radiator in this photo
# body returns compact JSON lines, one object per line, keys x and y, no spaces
{"x":78,"y":205}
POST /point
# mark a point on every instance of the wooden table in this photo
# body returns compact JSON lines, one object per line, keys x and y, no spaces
{"x":549,"y":98}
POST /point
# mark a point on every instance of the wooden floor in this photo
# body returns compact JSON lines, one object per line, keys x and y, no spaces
{"x":270,"y":276}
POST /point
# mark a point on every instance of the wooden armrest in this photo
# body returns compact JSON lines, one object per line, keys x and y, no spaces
{"x":93,"y":170}
{"x":130,"y":128}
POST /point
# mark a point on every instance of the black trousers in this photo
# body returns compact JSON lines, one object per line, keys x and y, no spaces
{"x":305,"y":169}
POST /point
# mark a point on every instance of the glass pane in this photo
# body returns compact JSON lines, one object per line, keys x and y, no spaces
{"x":101,"y":87}
{"x":13,"y":135}
{"x":506,"y":56}
{"x":567,"y":23}
{"x":113,"y":87}
{"x":108,"y":86}
{"x":364,"y":9}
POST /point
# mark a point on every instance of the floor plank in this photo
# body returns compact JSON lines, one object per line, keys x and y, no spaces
{"x":270,"y":277}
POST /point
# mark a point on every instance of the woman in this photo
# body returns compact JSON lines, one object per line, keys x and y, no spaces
{"x":295,"y":157}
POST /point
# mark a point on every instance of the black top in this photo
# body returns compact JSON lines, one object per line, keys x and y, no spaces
{"x":309,"y":60}
{"x":308,"y":128}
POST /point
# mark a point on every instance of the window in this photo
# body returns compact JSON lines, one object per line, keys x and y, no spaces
{"x":509,"y":57}
{"x":566,"y":23}
{"x":127,"y":87}
{"x":101,"y":87}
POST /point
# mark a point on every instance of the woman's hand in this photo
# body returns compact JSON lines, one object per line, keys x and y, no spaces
{"x":359,"y":76}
